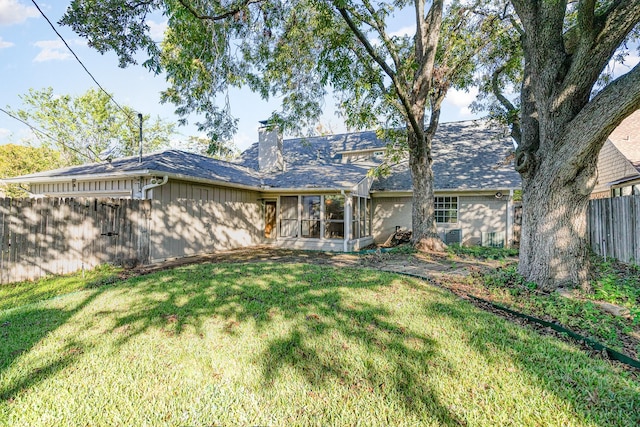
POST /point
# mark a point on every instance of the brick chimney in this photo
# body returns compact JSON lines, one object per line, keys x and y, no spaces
{"x":270,"y":156}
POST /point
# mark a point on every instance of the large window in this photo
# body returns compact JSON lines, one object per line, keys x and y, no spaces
{"x":310,"y":222}
{"x":446,"y":209}
{"x":289,"y":216}
{"x":334,"y":217}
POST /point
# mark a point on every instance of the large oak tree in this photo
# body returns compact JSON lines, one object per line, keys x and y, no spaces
{"x":563,"y":124}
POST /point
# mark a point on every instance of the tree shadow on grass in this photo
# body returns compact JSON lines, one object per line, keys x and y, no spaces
{"x":332,"y":326}
{"x":311,"y":301}
{"x":322,"y":318}
{"x":20,"y":332}
{"x":594,"y":390}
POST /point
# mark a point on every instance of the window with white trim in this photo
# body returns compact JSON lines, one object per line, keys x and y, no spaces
{"x":446,"y":209}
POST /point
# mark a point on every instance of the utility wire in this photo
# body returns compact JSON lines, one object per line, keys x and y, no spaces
{"x":35,"y":129}
{"x":126,"y":113}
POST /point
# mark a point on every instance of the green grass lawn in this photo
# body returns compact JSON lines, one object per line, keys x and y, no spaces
{"x":278,"y":345}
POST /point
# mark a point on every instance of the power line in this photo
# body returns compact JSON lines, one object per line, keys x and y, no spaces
{"x":126,"y":113}
{"x":35,"y":129}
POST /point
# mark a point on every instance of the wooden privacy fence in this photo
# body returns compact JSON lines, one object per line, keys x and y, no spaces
{"x":614,"y":227}
{"x":57,"y":236}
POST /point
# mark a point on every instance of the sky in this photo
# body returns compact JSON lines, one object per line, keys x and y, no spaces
{"x":32,"y":56}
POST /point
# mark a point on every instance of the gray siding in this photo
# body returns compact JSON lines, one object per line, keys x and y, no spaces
{"x":612,"y":166}
{"x":190,"y":219}
{"x":476,"y":214}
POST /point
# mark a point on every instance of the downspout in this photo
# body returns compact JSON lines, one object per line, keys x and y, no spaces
{"x":153,"y":185}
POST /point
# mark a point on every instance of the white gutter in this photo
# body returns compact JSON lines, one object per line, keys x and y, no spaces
{"x":153,"y":184}
{"x":131,"y":174}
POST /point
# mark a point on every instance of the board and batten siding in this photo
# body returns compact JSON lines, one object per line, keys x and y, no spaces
{"x":476,"y":214}
{"x":614,"y":228}
{"x":189,"y":219}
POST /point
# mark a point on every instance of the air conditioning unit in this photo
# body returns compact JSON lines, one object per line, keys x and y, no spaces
{"x":493,"y":239}
{"x":453,"y":236}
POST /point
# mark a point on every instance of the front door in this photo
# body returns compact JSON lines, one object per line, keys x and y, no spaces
{"x":270,"y":219}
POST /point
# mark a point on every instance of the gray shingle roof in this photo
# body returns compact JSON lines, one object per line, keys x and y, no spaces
{"x":169,"y":161}
{"x":334,"y":175}
{"x":317,"y":149}
{"x":467,"y":156}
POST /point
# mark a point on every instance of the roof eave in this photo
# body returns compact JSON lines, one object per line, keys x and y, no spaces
{"x":26,"y":179}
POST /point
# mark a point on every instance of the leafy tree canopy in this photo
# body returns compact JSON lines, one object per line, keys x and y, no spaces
{"x":82,"y":127}
{"x":295,"y":50}
{"x":18,"y":160}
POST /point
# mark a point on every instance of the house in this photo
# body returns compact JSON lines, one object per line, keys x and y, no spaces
{"x":619,"y":161}
{"x":306,"y":193}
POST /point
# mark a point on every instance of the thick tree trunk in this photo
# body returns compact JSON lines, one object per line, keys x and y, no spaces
{"x":554,"y":246}
{"x":425,"y":234}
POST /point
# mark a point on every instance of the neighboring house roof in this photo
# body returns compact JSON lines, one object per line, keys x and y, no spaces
{"x":467,"y":155}
{"x":626,"y":138}
{"x":619,"y":158}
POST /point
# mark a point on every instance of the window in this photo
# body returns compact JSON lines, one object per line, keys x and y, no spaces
{"x":334,"y":217}
{"x":446,"y":209}
{"x":289,"y":216}
{"x":355,"y":218}
{"x":310,"y":222}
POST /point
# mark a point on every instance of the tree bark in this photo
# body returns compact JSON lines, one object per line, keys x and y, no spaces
{"x":554,"y":246}
{"x":563,"y":130}
{"x":425,"y":234}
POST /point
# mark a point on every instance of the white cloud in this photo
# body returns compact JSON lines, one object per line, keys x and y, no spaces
{"x":617,"y":69}
{"x":409,"y":30}
{"x":4,"y":133}
{"x":4,"y":44}
{"x":462,"y":99}
{"x":51,"y":50}
{"x":156,"y":29}
{"x":13,"y":12}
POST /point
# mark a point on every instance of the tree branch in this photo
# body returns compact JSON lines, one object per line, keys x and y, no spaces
{"x":513,"y":117}
{"x":385,"y":67}
{"x":605,"y":112}
{"x":427,"y":39}
{"x":230,"y":12}
{"x":380,"y":28}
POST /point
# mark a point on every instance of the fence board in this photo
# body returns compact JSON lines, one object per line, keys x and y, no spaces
{"x":40,"y":237}
{"x":614,"y":227}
